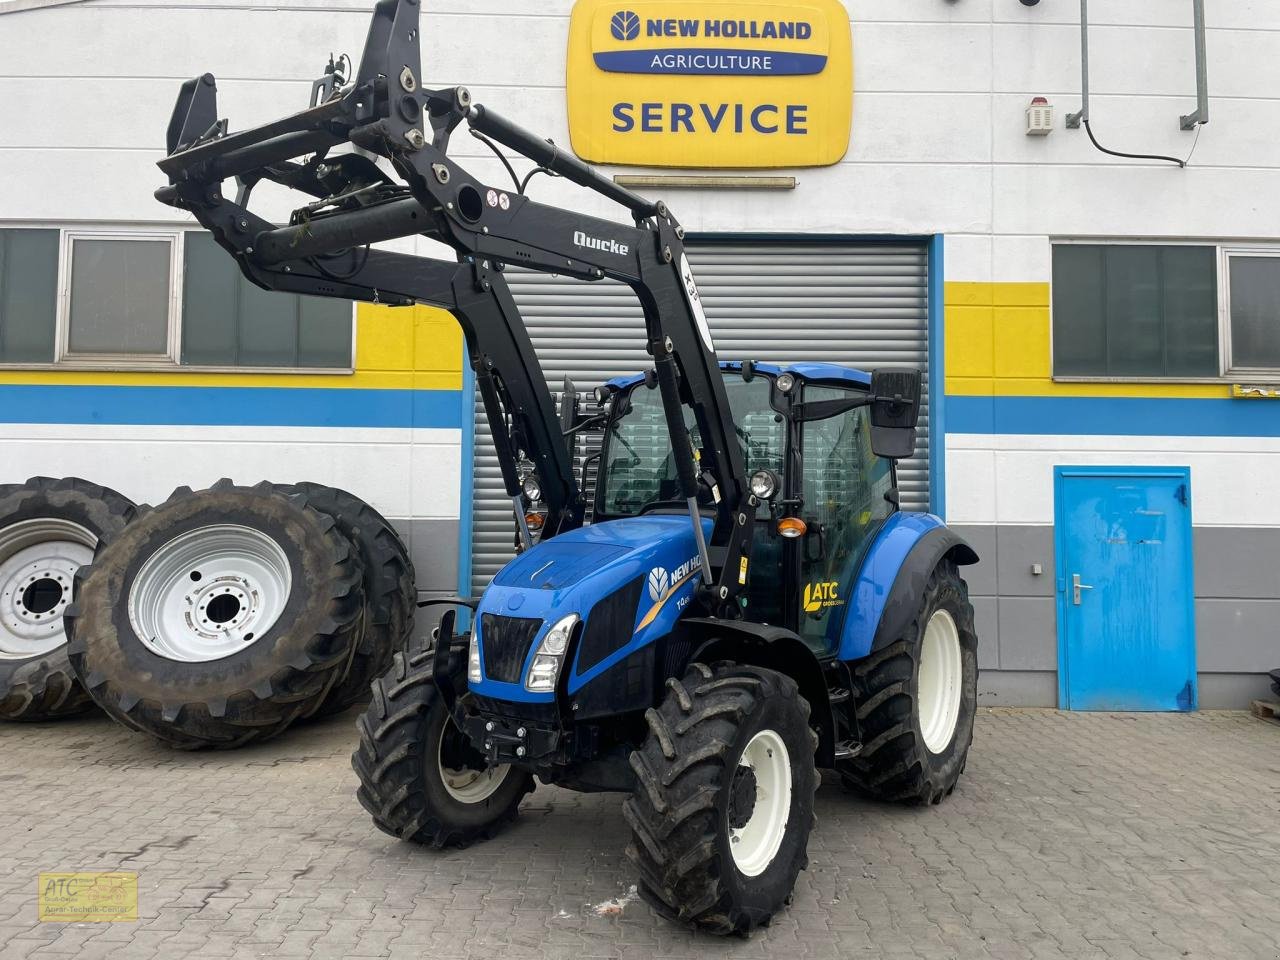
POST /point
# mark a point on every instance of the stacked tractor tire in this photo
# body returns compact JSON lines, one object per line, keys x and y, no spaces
{"x":218,"y":618}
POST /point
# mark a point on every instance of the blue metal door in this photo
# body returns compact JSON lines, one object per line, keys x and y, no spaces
{"x":1126,"y":614}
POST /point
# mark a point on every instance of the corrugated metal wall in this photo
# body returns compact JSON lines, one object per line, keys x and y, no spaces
{"x":861,"y":304}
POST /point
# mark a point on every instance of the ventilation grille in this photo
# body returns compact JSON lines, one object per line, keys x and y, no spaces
{"x":505,"y":643}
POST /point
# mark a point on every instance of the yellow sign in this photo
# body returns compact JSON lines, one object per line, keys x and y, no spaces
{"x":711,"y":83}
{"x":80,"y":897}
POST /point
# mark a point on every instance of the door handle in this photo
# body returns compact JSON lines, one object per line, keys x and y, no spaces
{"x":1076,"y":587}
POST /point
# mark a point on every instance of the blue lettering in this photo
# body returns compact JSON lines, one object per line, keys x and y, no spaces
{"x":713,"y":28}
{"x":786,"y":31}
{"x":653,"y":28}
{"x":803,"y":31}
{"x":737,"y":118}
{"x":688,"y":28}
{"x":755,"y":118}
{"x":651,"y":117}
{"x":624,"y":122}
{"x":714,"y":121}
{"x":797,"y":118}
{"x":681,"y":113}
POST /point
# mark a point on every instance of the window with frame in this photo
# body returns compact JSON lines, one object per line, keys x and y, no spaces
{"x":1135,"y":311}
{"x":1165,"y":311}
{"x":1252,"y":311}
{"x":28,"y":295}
{"x":155,"y":299}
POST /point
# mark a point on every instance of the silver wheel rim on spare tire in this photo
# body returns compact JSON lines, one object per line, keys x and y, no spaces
{"x":465,"y":784}
{"x":755,"y":843}
{"x":209,"y":593}
{"x":38,"y":562}
{"x":941,"y":681}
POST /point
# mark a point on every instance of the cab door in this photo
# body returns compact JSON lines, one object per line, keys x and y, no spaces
{"x":844,"y":487}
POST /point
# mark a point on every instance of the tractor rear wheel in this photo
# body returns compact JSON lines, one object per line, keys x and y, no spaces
{"x":721,"y":815}
{"x":916,"y":700}
{"x":420,"y":777}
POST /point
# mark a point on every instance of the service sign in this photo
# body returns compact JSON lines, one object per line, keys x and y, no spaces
{"x":710,"y":83}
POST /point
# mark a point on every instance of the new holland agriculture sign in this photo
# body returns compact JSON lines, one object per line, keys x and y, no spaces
{"x":712,"y":83}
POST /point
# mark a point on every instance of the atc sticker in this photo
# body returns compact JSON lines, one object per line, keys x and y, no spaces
{"x":88,"y":897}
{"x":818,"y":596}
{"x":491,"y":198}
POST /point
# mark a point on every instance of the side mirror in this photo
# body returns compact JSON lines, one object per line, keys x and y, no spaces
{"x":895,"y":411}
{"x":569,"y":407}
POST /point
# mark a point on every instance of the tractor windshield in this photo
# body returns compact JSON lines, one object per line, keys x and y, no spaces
{"x":641,"y":469}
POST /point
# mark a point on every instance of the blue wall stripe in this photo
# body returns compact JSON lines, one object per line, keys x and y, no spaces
{"x":1113,"y":416}
{"x":466,"y":506}
{"x":937,"y":381}
{"x":229,"y":406}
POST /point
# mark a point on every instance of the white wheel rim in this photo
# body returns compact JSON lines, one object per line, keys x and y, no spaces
{"x":941,"y":681}
{"x":464,"y":784}
{"x":756,"y":842}
{"x":38,"y":562}
{"x":209,"y":593}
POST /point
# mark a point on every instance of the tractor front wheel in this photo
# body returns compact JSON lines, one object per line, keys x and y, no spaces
{"x":420,"y":777}
{"x":723,"y":807}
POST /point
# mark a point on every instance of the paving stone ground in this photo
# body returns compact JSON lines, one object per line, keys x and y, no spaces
{"x":1070,"y":835}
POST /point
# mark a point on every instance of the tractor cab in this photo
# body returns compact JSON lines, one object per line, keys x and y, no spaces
{"x":824,"y":481}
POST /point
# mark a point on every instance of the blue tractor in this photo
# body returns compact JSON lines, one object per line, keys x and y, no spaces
{"x":747,"y":606}
{"x":592,"y":663}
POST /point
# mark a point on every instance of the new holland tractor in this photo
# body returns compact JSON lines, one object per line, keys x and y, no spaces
{"x":747,"y":606}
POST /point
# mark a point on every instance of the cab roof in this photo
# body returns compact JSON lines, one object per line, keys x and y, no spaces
{"x":818,"y":372}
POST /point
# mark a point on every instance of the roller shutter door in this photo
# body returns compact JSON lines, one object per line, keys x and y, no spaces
{"x":861,"y":304}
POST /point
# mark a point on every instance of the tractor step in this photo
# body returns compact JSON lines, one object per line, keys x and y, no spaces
{"x":838,"y":695}
{"x":848,"y":749}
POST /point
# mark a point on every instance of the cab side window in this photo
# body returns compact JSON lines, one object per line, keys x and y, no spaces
{"x":844,"y":505}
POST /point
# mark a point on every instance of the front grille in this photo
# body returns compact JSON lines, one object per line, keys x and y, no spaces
{"x":505,"y":642}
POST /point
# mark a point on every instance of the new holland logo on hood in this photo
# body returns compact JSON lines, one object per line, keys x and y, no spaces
{"x":662,"y":584}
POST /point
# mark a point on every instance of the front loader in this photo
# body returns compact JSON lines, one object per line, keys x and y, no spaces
{"x":748,"y":604}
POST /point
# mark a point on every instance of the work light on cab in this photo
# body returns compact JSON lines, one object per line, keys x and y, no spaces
{"x":764,"y":484}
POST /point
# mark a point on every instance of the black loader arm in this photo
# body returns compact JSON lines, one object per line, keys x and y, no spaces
{"x":324,"y":250}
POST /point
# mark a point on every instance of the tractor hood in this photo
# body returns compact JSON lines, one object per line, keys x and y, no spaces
{"x":627,"y":579}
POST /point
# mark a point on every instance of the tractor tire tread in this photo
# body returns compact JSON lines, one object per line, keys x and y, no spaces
{"x":673,"y":816}
{"x":894,"y":764}
{"x":233,"y":716}
{"x":388,"y":760}
{"x":44,"y":687}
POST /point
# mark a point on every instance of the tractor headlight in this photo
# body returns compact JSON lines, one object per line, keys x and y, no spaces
{"x":785,"y":382}
{"x":764,"y":484}
{"x":549,"y":656}
{"x":531,"y":489}
{"x":473,"y":660}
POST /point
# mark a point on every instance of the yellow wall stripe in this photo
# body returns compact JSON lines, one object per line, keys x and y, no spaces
{"x":997,"y":344}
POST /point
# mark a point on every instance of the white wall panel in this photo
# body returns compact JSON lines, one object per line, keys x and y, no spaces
{"x":403,"y":473}
{"x":940,"y":92}
{"x":1137,"y":200}
{"x":1018,"y":487}
{"x":941,"y":57}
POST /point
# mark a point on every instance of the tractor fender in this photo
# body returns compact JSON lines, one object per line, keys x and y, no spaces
{"x":892,"y":579}
{"x":774,"y":648}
